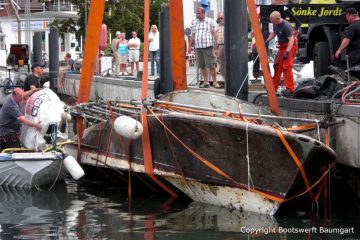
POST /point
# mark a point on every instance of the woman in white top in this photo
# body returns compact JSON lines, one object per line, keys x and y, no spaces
{"x":154,"y":42}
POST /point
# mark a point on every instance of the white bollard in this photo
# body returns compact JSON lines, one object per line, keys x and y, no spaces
{"x":128,"y":127}
{"x":73,"y":167}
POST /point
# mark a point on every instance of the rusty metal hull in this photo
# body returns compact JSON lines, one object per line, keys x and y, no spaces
{"x":252,"y":155}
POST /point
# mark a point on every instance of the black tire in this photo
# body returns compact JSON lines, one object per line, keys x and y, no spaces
{"x":8,"y":86}
{"x":322,"y":59}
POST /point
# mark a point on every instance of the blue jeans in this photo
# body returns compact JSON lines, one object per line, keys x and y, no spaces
{"x":154,"y":57}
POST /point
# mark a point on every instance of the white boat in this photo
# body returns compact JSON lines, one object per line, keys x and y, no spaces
{"x":29,"y":170}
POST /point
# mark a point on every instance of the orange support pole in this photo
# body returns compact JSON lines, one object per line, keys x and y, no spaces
{"x":146,"y":136}
{"x":92,"y":42}
{"x":177,"y":45}
{"x":147,"y":154}
{"x":260,"y":45}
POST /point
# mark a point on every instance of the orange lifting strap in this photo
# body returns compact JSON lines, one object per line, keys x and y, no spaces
{"x":302,"y":127}
{"x":297,"y":162}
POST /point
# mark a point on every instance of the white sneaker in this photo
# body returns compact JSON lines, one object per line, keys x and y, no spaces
{"x":120,"y":74}
{"x":126,"y":74}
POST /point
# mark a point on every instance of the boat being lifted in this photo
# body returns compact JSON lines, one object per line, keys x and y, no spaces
{"x":216,"y":149}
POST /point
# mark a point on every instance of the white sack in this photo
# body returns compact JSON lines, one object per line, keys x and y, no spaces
{"x":43,"y":107}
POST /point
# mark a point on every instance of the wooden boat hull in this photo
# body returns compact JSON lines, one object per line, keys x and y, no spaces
{"x":31,"y":170}
{"x":225,"y":144}
{"x":211,"y":152}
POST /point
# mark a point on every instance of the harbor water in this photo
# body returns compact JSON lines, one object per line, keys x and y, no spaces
{"x":99,"y":208}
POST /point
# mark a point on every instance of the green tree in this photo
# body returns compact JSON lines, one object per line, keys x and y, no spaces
{"x":64,"y":26}
{"x":121,"y":15}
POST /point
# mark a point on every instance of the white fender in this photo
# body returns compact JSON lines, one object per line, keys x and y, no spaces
{"x":46,"y":84}
{"x":128,"y":127}
{"x":65,"y":116}
{"x":73,"y":167}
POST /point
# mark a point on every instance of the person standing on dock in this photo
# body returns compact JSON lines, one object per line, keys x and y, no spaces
{"x":220,"y":52}
{"x":287,"y":47}
{"x":114,"y":49}
{"x":351,"y":40}
{"x":32,"y":82}
{"x":10,"y":120}
{"x":69,"y":62}
{"x":205,"y":39}
{"x":69,"y":67}
{"x":154,"y":45}
{"x":134,"y":52}
{"x":123,"y":51}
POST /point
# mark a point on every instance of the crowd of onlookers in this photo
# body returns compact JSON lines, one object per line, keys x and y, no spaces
{"x":206,"y":43}
{"x":125,"y":50}
{"x":204,"y":46}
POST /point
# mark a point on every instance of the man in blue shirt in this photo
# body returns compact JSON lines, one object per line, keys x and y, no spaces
{"x":10,"y":120}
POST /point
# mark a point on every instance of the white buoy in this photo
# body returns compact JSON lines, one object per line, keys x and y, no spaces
{"x":73,"y":167}
{"x":128,"y":127}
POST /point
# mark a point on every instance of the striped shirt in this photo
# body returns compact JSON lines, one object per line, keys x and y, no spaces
{"x":203,"y":32}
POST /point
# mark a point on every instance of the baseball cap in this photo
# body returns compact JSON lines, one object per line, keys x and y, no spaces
{"x":351,"y":11}
{"x":118,"y":32}
{"x":37,"y":64}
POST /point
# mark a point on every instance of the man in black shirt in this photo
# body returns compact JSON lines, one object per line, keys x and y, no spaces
{"x":351,"y":39}
{"x":287,"y":46}
{"x":32,"y":82}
